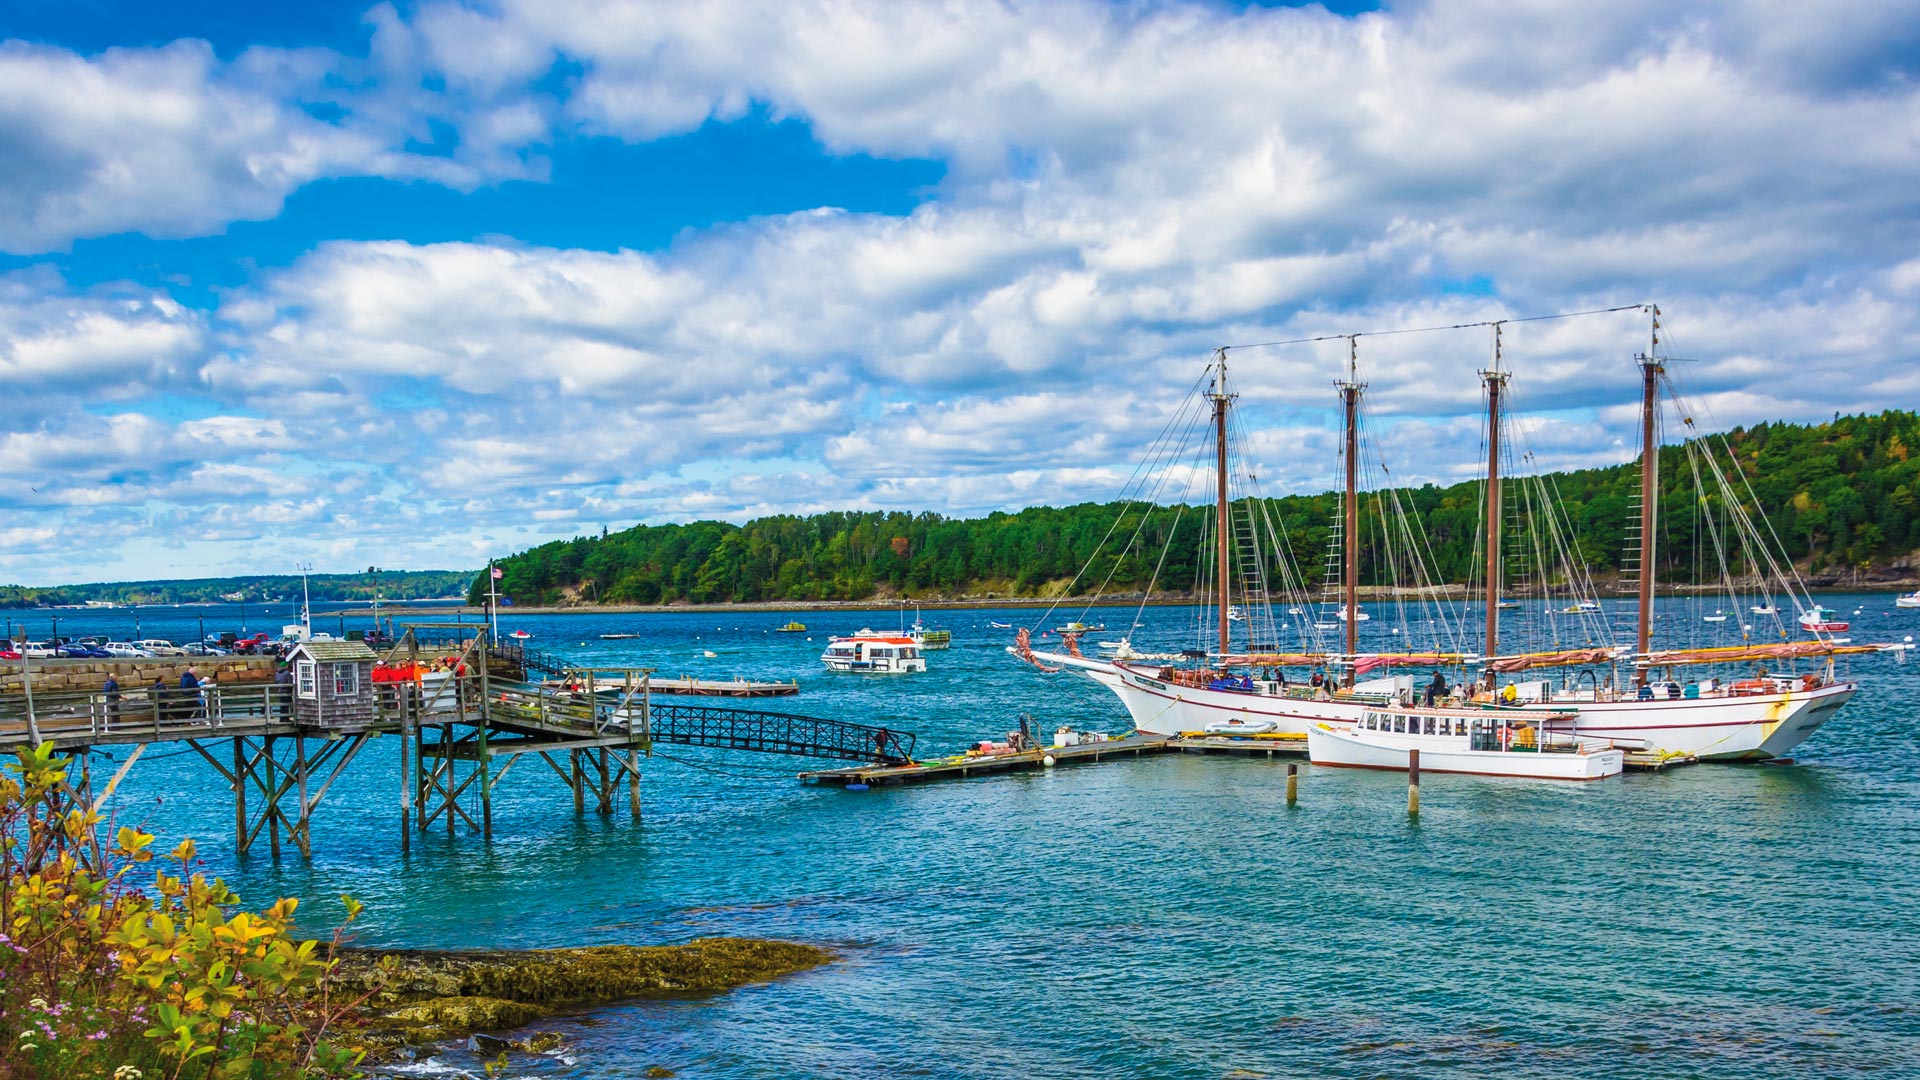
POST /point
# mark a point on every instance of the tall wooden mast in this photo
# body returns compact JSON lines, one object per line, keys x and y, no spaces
{"x":1350,"y":533}
{"x":1220,"y":399}
{"x":1650,"y":371}
{"x":1496,"y":381}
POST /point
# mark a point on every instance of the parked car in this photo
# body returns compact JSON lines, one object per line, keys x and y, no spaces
{"x":195,"y":648}
{"x":125,"y":649}
{"x":40,"y":650}
{"x":84,"y":650}
{"x":160,"y":647}
{"x":8,"y":654}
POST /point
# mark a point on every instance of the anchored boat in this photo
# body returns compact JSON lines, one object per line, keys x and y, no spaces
{"x":1480,"y":742}
{"x":879,"y":654}
{"x":1604,"y":686}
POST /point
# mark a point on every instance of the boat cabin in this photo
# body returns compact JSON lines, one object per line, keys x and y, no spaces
{"x":1492,"y":729}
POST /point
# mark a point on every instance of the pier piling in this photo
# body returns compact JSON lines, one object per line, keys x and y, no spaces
{"x":1293,"y":782}
{"x":1413,"y":783}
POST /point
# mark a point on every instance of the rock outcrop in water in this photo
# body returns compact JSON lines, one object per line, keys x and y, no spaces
{"x":425,"y":996}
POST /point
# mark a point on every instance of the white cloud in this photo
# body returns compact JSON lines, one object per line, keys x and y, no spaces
{"x":1127,"y":187}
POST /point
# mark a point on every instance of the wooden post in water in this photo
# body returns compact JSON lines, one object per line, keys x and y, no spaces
{"x":633,"y":781}
{"x":1293,"y":782}
{"x":579,"y":780}
{"x":406,"y":780}
{"x":273,"y":801}
{"x":239,"y":795}
{"x":1413,"y":783}
{"x":484,"y":649}
{"x":304,"y":833}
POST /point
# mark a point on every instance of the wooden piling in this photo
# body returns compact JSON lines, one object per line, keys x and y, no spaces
{"x":633,"y":781}
{"x":1413,"y":783}
{"x":239,"y":795}
{"x":304,"y":834}
{"x":1293,"y":782}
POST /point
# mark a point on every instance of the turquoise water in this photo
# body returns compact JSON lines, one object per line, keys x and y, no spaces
{"x":1165,"y":917}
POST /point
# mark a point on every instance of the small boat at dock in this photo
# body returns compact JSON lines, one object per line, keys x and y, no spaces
{"x":1521,"y":743}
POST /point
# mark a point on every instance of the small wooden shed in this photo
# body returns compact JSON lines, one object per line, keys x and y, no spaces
{"x":332,"y":683}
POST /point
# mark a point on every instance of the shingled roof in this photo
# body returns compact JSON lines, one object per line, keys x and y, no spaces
{"x":331,"y":651}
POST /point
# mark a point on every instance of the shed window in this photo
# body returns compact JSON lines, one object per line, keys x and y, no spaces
{"x":346,"y":680}
{"x":303,"y":679}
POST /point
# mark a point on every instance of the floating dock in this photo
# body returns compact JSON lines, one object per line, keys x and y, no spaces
{"x":687,"y":686}
{"x":1136,"y":745}
{"x":982,"y":764}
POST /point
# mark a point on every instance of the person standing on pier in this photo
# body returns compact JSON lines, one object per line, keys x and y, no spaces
{"x":111,"y":691}
{"x":191,"y":701}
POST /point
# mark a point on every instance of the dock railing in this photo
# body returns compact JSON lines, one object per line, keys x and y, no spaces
{"x":158,"y":712}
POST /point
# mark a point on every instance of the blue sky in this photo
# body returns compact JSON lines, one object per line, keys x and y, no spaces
{"x":416,"y":284}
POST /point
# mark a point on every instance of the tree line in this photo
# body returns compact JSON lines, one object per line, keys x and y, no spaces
{"x":249,"y":588}
{"x":1843,"y":498}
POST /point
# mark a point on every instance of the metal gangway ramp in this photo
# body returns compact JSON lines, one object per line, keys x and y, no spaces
{"x":728,"y":728}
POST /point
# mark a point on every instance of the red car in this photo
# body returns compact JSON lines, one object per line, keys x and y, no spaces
{"x":8,"y":653}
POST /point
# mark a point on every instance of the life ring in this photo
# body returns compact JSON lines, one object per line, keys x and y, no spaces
{"x":1506,"y":737}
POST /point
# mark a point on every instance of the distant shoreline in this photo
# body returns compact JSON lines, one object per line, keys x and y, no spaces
{"x":1371,"y":594}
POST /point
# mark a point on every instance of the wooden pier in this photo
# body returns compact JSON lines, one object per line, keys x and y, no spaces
{"x":280,"y":746}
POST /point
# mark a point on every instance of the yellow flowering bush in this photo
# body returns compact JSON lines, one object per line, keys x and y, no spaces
{"x":107,"y":972}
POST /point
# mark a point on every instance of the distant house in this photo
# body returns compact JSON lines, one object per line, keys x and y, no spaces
{"x":332,"y":683}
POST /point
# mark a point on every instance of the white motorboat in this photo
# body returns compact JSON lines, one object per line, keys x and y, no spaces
{"x":1822,"y":620}
{"x":1359,"y":616}
{"x":1716,"y":617}
{"x":879,"y":654}
{"x":1531,"y":744}
{"x":999,"y":625}
{"x":1241,"y":726}
{"x":1234,"y":614}
{"x":1763,"y":609}
{"x":1911,"y":599}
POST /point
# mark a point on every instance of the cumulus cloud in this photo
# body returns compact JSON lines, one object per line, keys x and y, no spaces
{"x":1128,"y":186}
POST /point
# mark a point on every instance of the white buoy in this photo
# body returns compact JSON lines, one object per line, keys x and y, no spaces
{"x":1047,"y":761}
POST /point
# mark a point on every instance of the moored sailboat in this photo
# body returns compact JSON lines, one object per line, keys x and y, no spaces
{"x":1711,"y":718}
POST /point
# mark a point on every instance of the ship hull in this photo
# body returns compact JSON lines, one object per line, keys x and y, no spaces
{"x":1752,"y":727}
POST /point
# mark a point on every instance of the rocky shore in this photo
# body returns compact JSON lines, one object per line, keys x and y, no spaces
{"x":418,"y":998}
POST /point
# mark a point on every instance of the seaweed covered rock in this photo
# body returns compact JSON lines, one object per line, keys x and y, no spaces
{"x":428,"y":995}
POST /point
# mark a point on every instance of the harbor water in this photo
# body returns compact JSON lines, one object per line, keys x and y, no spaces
{"x":1169,"y":916}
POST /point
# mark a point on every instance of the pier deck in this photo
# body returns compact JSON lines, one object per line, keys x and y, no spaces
{"x":688,"y":686}
{"x":981,"y":765}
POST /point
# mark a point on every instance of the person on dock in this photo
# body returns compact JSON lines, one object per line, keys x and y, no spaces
{"x":111,"y":691}
{"x":192,"y":703}
{"x":1436,"y":689}
{"x":157,"y":693}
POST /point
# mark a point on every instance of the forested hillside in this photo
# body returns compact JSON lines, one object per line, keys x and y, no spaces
{"x":392,"y":585}
{"x":1843,"y":496}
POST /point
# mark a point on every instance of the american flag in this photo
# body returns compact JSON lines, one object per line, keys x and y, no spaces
{"x":497,"y":572}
